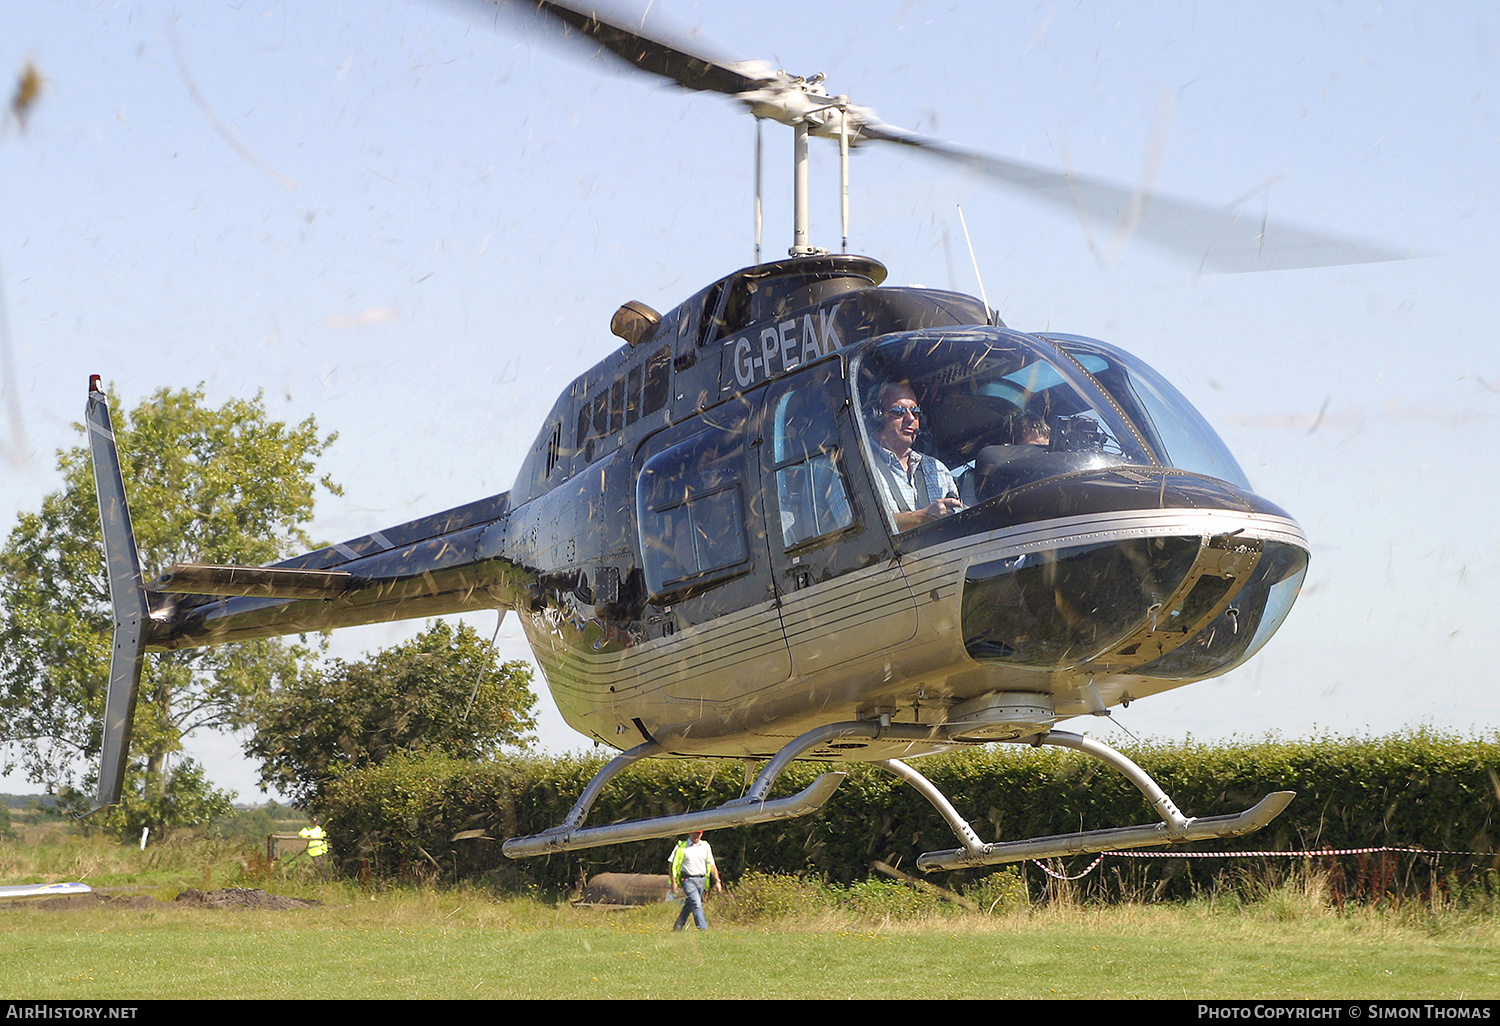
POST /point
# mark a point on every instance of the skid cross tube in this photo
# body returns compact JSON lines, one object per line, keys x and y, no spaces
{"x":1174,"y":828}
{"x":753,"y":807}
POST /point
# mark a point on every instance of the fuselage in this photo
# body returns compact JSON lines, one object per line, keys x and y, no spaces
{"x":704,"y":550}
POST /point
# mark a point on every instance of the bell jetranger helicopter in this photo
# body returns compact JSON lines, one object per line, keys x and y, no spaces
{"x":705,"y":555}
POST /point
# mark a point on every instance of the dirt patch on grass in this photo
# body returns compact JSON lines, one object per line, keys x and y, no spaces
{"x":243,"y":897}
{"x":231,"y":898}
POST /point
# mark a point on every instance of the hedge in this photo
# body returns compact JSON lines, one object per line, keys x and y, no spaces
{"x":443,"y":819}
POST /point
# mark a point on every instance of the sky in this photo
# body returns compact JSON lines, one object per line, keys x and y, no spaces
{"x":413,"y":220}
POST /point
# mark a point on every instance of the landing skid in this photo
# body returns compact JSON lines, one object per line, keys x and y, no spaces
{"x":1174,"y":828}
{"x":751,"y":808}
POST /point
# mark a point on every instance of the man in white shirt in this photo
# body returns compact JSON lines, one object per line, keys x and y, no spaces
{"x":692,"y":863}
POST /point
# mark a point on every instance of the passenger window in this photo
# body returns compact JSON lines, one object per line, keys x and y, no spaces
{"x":617,"y":405}
{"x":692,"y":509}
{"x":585,"y":417}
{"x":658,"y":381}
{"x":633,"y":395}
{"x":601,"y":413}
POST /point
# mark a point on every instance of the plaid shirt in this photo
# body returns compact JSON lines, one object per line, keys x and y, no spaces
{"x":908,"y":491}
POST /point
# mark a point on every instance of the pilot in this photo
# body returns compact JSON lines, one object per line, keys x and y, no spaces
{"x":917,"y":488}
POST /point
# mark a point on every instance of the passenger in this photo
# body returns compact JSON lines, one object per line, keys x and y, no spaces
{"x":1031,"y":430}
{"x":916,"y":488}
{"x":997,"y":467}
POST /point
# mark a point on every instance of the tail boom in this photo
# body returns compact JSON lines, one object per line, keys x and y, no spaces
{"x":450,"y":562}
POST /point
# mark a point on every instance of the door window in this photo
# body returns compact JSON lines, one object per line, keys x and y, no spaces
{"x":811,"y":492}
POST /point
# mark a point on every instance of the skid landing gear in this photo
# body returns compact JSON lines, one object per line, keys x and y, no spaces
{"x":754,"y":807}
{"x":1174,"y":828}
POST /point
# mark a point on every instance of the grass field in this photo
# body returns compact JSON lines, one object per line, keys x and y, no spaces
{"x":467,"y":946}
{"x":1284,"y":942}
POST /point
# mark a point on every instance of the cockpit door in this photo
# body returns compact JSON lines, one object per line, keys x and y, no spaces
{"x":843,"y":596}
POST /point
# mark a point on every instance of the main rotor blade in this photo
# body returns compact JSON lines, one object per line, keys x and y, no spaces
{"x":1220,"y":240}
{"x":1216,"y":239}
{"x":647,"y":53}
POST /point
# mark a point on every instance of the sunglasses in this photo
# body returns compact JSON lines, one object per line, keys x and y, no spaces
{"x":898,"y":412}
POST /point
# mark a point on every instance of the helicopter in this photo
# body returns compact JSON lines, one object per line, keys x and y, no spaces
{"x":708,"y":562}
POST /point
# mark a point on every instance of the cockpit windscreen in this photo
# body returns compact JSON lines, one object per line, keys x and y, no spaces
{"x":998,"y":409}
{"x":1169,"y":423}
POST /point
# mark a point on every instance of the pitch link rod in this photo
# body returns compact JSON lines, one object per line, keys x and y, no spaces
{"x":753,"y":807}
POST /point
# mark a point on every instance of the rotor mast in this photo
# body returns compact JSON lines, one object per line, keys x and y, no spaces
{"x":801,"y":219}
{"x":813,"y":112}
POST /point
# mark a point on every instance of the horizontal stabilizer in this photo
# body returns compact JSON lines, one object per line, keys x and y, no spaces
{"x":257,"y":582}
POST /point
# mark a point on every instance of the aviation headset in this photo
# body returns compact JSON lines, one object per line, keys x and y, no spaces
{"x":875,"y":411}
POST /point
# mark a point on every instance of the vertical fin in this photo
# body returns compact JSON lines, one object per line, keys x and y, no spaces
{"x":126,"y":594}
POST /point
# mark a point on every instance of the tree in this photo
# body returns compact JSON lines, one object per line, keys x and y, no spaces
{"x":225,"y":485}
{"x":254,"y":825}
{"x":185,"y":798}
{"x":440,"y":693}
